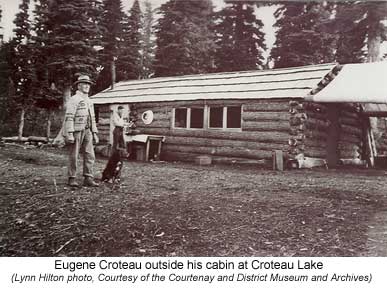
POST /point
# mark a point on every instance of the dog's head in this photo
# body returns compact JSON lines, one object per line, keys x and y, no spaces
{"x":118,"y":166}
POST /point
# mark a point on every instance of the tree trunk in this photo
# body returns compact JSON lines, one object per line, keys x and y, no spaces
{"x":21,"y":123}
{"x":48,"y":130}
{"x":113,"y":72}
{"x":66,"y":95}
{"x":375,"y":31}
{"x":373,"y":50}
{"x":373,"y":55}
{"x":59,"y":139}
{"x":373,"y":45}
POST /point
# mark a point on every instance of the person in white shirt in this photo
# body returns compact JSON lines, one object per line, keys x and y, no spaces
{"x":118,"y":132}
{"x":112,"y":171}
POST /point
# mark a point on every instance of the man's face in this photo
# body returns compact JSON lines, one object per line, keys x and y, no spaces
{"x":120,"y":112}
{"x":84,"y":87}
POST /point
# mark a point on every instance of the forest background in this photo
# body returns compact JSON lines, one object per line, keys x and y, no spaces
{"x":112,"y":40}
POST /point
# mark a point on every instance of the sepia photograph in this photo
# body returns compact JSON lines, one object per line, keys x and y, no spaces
{"x":181,"y":128}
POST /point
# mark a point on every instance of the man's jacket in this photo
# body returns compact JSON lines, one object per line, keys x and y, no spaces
{"x":77,"y":112}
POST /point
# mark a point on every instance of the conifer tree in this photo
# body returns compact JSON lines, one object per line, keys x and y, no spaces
{"x":41,"y":38}
{"x":23,"y":74}
{"x":46,"y":95}
{"x":148,"y":44}
{"x":129,"y":62}
{"x":240,"y":40}
{"x":75,"y":33}
{"x":300,"y":39}
{"x":185,"y":38}
{"x":74,"y":27}
{"x":360,"y":24}
{"x":5,"y":87}
{"x":112,"y":34}
{"x":1,"y":28}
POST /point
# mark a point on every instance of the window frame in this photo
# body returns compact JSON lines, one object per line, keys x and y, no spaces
{"x":240,"y":120}
{"x":203,"y":120}
{"x":206,"y":118}
{"x":224,"y":122}
{"x":188,"y":118}
{"x":174,"y":118}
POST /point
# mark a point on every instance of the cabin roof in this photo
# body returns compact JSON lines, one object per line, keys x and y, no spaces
{"x":258,"y":84}
{"x":357,"y":83}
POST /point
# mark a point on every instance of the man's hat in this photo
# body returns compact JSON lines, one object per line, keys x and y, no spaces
{"x":84,"y":79}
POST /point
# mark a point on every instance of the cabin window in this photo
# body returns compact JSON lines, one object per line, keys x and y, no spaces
{"x":225,"y":117}
{"x":207,"y":117}
{"x":181,"y":117}
{"x":216,"y":117}
{"x":197,"y":118}
{"x":189,"y":117}
{"x":234,"y":116}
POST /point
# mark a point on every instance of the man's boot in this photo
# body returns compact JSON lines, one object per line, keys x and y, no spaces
{"x":73,"y":183}
{"x":89,"y":182}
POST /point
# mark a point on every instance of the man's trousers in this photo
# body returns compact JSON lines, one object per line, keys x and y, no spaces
{"x":118,"y":139}
{"x":83,"y":143}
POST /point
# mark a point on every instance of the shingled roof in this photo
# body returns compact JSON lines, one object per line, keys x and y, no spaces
{"x":259,"y":84}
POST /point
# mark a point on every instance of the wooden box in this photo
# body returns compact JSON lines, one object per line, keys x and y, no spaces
{"x":203,"y":160}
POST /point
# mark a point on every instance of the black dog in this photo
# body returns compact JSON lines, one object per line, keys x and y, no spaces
{"x":113,"y":168}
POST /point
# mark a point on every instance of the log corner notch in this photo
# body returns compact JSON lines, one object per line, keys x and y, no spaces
{"x":297,"y":120}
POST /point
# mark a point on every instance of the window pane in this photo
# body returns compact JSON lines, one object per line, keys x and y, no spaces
{"x":216,"y":117}
{"x":181,"y":117}
{"x":197,"y":116}
{"x":234,"y":117}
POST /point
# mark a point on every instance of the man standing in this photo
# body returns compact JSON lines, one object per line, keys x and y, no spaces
{"x":79,"y":132}
{"x":118,"y":132}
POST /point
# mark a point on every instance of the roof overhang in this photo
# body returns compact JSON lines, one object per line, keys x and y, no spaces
{"x":356,"y":83}
{"x":375,"y":109}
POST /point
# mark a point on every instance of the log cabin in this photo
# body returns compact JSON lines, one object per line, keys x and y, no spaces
{"x":242,"y":117}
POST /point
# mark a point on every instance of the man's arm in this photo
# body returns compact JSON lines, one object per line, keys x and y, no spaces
{"x":69,"y":121}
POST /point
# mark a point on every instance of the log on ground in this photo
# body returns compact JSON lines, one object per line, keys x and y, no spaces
{"x":219,"y":151}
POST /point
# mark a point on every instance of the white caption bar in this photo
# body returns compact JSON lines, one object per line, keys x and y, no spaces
{"x":164,"y":272}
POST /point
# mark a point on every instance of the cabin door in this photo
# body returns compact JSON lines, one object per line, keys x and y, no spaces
{"x":333,"y":112}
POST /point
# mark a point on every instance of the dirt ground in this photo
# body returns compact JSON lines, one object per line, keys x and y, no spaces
{"x":175,"y":209}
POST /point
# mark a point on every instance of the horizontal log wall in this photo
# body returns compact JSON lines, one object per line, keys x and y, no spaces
{"x":103,"y":122}
{"x":265,"y":127}
{"x":316,"y":133}
{"x":350,"y":140}
{"x":381,"y":136}
{"x":291,"y":126}
{"x":351,"y":132}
